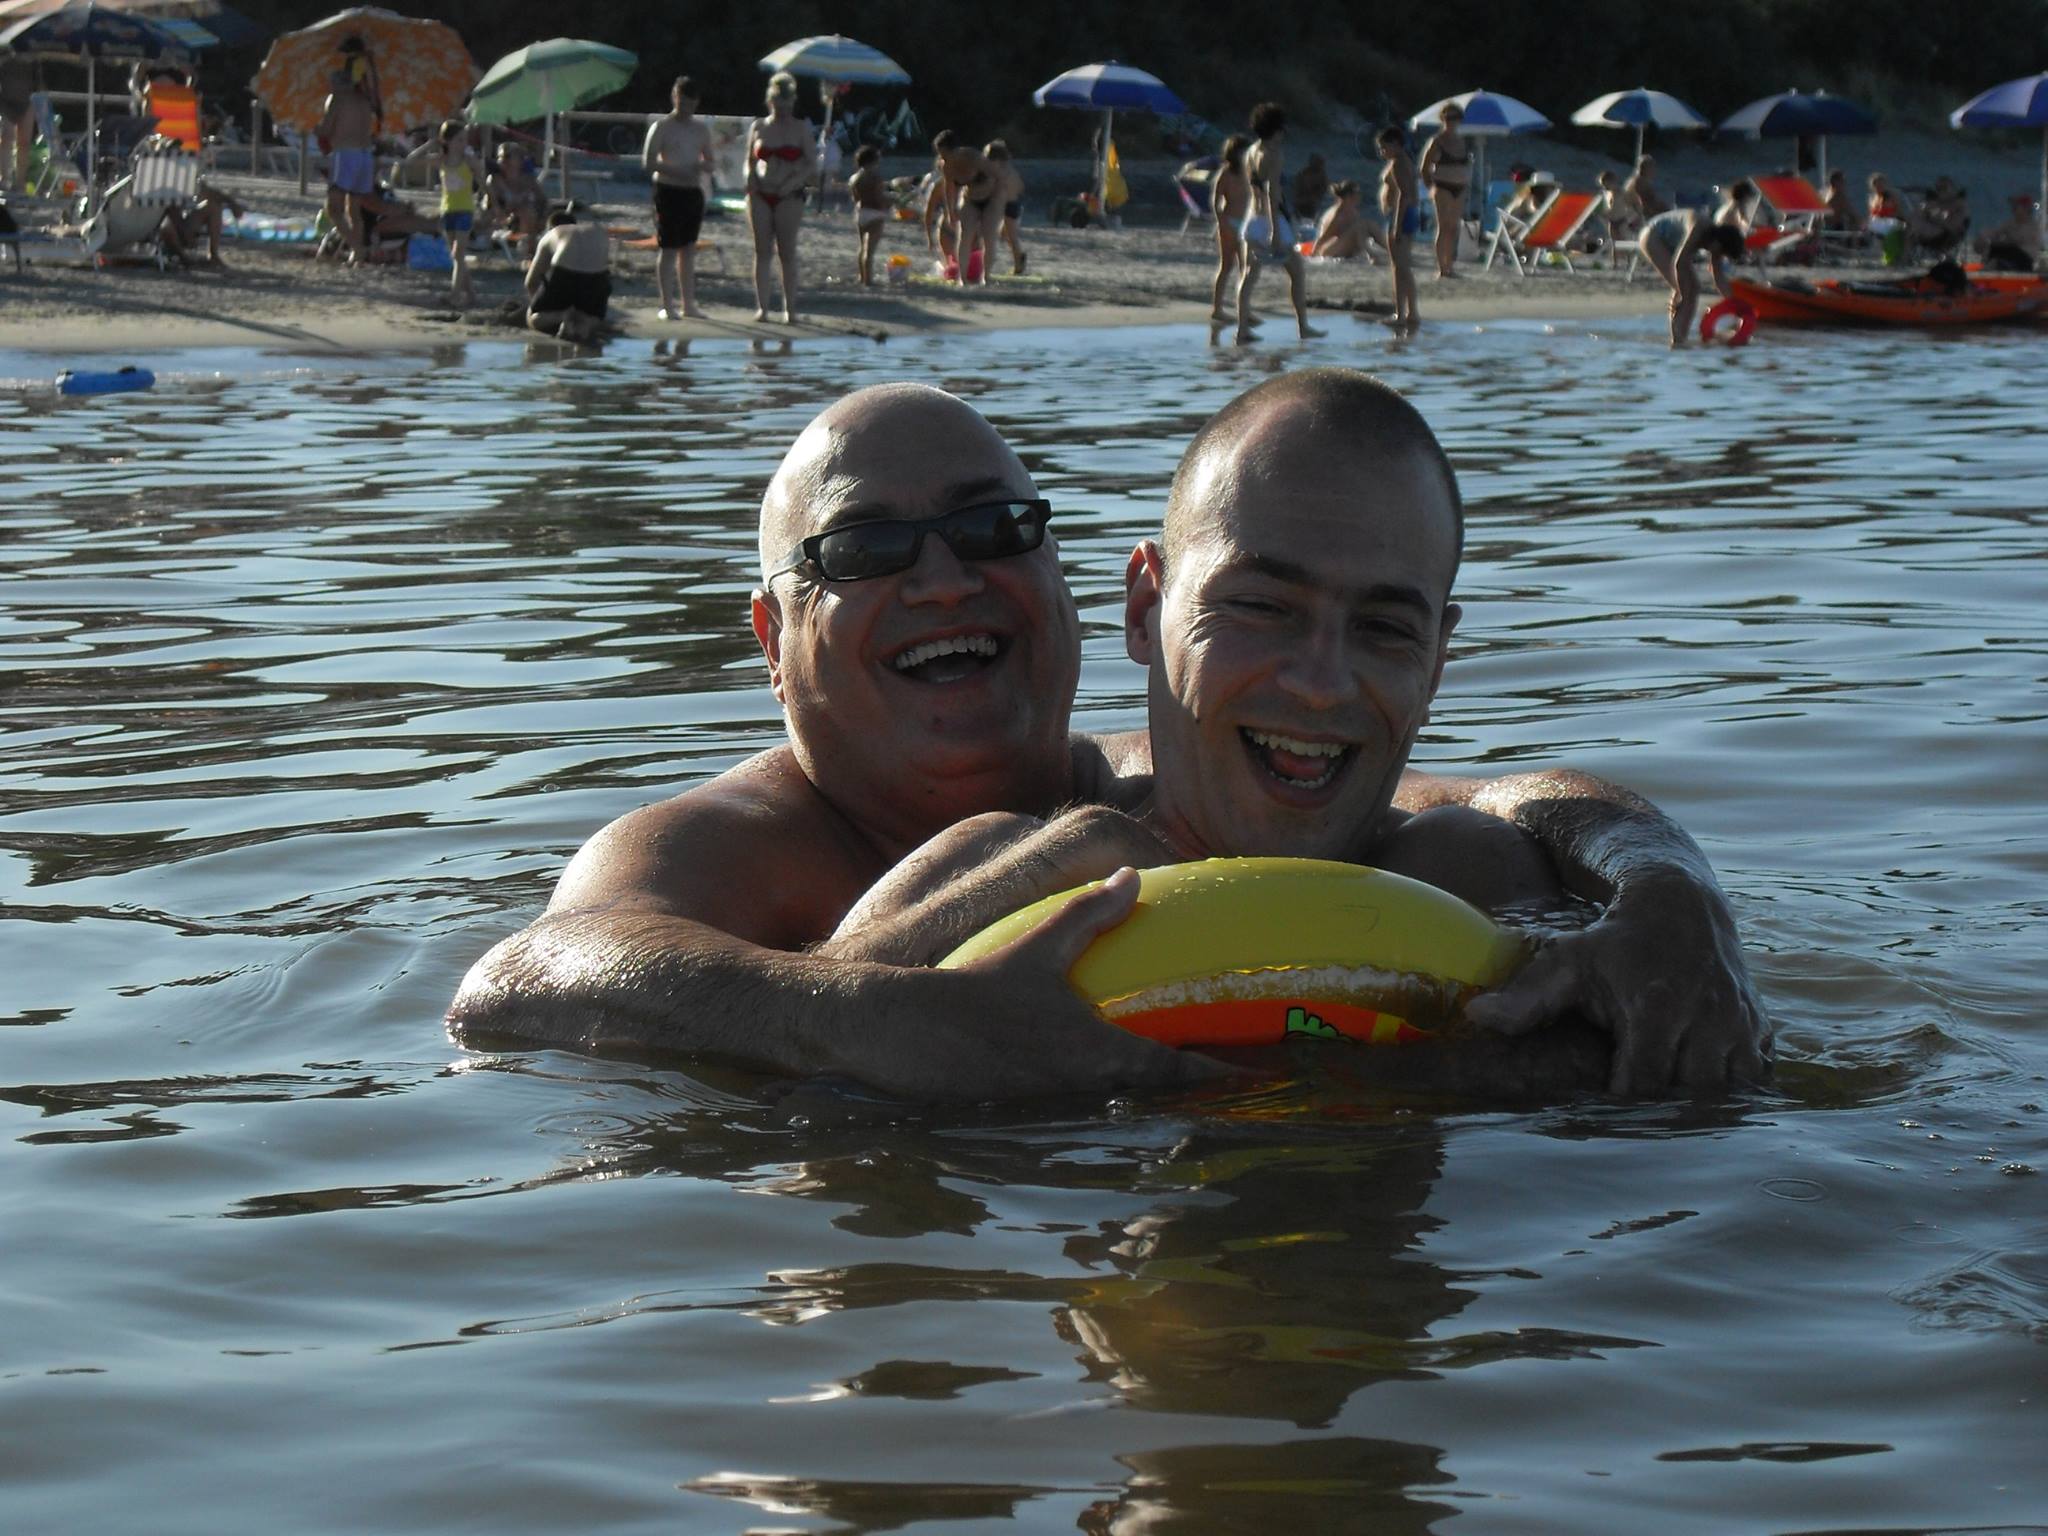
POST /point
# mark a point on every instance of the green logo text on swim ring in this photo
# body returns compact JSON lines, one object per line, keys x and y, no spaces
{"x":1301,"y":1022}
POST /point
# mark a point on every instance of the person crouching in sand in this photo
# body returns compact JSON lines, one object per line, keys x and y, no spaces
{"x":569,"y":281}
{"x":1342,"y":233}
{"x":1671,"y":241}
{"x":1268,"y":232}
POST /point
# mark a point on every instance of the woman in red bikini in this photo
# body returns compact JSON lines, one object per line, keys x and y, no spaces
{"x":782,"y":158}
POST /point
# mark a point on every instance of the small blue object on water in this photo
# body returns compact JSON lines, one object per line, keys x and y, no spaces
{"x":73,"y":382}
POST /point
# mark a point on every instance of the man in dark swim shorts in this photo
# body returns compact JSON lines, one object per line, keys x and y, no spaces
{"x":677,"y":155}
{"x":569,"y":282}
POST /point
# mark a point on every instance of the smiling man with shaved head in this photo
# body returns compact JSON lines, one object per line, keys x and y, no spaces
{"x":925,"y":650}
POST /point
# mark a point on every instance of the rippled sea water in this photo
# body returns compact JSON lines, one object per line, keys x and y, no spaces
{"x":311,"y":677}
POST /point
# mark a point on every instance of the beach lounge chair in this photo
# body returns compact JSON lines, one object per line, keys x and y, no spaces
{"x":130,"y":222}
{"x":1553,"y":228}
{"x":1194,"y":182}
{"x":1793,"y":206}
{"x":63,"y":158}
{"x":174,"y":110}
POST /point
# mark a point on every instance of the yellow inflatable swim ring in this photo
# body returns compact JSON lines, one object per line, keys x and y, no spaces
{"x":1237,"y":952}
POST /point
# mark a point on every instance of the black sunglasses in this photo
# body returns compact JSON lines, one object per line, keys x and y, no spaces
{"x":987,"y":531}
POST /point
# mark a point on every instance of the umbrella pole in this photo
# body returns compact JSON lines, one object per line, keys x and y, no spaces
{"x":1639,"y":149}
{"x":1102,"y":166}
{"x":825,"y":133}
{"x":1823,"y":159}
{"x":92,"y":138}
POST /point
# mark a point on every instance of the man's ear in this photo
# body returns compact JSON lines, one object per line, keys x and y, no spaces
{"x":1144,"y":590}
{"x":767,"y":619}
{"x":1452,"y":613}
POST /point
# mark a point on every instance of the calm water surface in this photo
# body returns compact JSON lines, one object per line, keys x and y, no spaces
{"x":311,"y":678}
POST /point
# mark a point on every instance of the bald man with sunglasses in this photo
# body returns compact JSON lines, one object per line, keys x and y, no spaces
{"x":925,"y":650}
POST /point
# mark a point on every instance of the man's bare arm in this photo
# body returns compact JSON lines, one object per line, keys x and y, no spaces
{"x":1662,"y":970}
{"x":983,"y":869}
{"x":631,"y":953}
{"x":1007,"y":1027}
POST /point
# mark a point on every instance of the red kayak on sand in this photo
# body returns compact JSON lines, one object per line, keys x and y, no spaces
{"x":1907,"y":301}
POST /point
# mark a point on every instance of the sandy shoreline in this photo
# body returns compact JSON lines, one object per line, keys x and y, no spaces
{"x":1148,"y":273}
{"x":277,"y":295}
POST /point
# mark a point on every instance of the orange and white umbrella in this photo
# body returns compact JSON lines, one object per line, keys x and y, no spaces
{"x":421,"y":70}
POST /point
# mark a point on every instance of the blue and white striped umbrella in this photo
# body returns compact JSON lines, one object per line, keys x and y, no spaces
{"x":1109,"y":87}
{"x":836,"y":58}
{"x":1639,"y":109}
{"x":1488,"y":114}
{"x":2015,"y":104}
{"x":1800,"y":114}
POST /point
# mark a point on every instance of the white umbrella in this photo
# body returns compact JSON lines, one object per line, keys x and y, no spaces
{"x":1639,"y":109}
{"x":2021,"y":103}
{"x":838,"y":60}
{"x":1105,"y":87}
{"x":1488,"y":115}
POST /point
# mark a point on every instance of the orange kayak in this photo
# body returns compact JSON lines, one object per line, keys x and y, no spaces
{"x":1910,"y":301}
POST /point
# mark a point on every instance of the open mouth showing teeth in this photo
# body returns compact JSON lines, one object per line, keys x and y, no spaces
{"x":1296,"y":763}
{"x":943,"y":661}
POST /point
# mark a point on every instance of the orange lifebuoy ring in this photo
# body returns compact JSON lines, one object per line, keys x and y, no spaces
{"x":1740,"y":310}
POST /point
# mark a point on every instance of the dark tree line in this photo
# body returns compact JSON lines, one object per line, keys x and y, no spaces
{"x":976,"y":65}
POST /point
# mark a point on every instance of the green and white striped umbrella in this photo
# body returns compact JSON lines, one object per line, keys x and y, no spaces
{"x":542,"y":79}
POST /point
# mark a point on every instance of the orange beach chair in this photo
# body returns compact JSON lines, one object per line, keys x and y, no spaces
{"x":1554,"y":227}
{"x":1800,"y":213}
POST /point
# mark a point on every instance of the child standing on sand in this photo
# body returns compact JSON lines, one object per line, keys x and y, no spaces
{"x":461,"y":176}
{"x":871,"y":208}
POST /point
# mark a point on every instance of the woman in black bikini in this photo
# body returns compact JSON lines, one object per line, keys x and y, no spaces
{"x":781,"y":159}
{"x":1447,"y":172}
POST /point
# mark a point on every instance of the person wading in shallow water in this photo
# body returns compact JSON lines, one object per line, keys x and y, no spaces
{"x":1268,"y":231}
{"x":925,"y":650}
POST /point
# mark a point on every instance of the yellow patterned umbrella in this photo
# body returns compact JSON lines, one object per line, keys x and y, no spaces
{"x":421,"y":69}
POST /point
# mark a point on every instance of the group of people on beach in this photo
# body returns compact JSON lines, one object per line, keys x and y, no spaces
{"x":972,"y":201}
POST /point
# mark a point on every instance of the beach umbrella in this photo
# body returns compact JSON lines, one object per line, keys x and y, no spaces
{"x":2015,"y":104}
{"x":91,"y":32}
{"x":198,"y":23}
{"x":837,"y":60}
{"x":1108,"y":88}
{"x":543,"y":79}
{"x":1800,"y":114}
{"x":423,"y":70}
{"x":1640,"y":109}
{"x":1488,"y":115}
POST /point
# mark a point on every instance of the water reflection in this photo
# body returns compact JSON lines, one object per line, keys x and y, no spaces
{"x":313,"y":679}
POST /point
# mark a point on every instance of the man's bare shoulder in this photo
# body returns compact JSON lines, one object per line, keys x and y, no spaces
{"x":755,"y":852}
{"x":1115,"y":769}
{"x":1489,"y":862}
